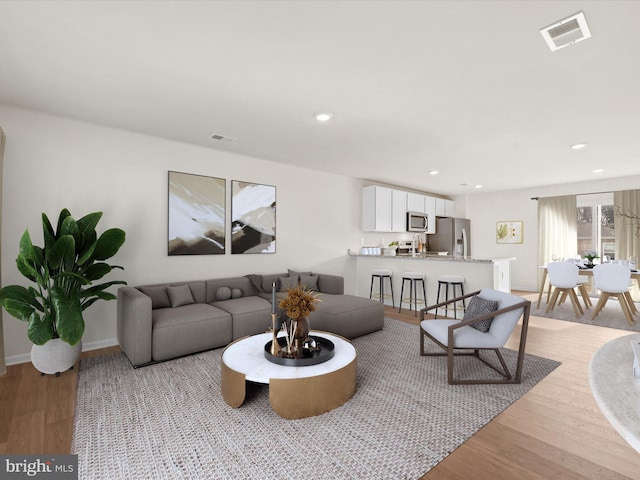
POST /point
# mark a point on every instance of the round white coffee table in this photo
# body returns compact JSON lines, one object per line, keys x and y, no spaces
{"x":294,"y":392}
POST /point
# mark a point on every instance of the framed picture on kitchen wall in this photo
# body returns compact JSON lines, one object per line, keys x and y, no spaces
{"x":197,"y":212}
{"x":509,"y":231}
{"x":253,"y":218}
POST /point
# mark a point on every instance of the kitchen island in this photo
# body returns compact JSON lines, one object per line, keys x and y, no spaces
{"x":478,"y":273}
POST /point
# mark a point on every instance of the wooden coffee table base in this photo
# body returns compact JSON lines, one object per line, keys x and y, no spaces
{"x":301,"y":395}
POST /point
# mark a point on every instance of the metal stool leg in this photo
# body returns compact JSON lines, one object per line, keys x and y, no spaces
{"x":393,"y":302}
{"x":401,"y":295}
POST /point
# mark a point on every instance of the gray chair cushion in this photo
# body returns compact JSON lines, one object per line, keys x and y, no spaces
{"x":476,"y":308}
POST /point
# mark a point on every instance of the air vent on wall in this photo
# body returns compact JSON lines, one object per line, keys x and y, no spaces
{"x":223,"y":138}
{"x":566,"y":32}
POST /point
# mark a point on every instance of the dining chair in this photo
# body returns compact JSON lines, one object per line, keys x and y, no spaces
{"x":563,"y":277}
{"x":614,"y":279}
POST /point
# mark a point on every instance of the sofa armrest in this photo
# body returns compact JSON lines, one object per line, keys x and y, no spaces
{"x":333,"y":284}
{"x":134,"y":325}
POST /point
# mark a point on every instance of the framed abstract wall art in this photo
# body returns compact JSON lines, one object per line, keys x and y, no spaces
{"x":253,"y":218}
{"x":509,"y":232}
{"x":196,"y":214}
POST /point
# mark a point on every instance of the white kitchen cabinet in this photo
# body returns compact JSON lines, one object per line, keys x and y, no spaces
{"x":415,"y":202}
{"x":502,"y":275}
{"x":398,"y":211}
{"x":444,"y":207}
{"x":383,"y":209}
{"x":430,"y":210}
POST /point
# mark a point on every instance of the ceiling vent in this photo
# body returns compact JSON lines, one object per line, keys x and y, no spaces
{"x":566,"y":32}
{"x":223,"y":138}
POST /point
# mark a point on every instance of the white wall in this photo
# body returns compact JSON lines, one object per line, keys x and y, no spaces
{"x":51,"y":163}
{"x":485,"y":210}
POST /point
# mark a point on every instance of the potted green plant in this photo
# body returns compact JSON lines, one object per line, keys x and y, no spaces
{"x":63,"y":271}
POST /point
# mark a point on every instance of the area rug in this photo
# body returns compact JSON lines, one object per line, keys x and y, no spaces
{"x":610,"y":316}
{"x":169,"y":421}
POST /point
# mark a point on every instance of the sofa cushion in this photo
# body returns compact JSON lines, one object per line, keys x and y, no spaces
{"x":347,"y":315}
{"x":180,"y":296}
{"x":251,"y":315}
{"x":293,"y":273}
{"x":158,"y":295}
{"x":188,"y":329}
{"x":310,"y":282}
{"x":236,"y":293}
{"x":287,"y":282}
{"x":223,"y":293}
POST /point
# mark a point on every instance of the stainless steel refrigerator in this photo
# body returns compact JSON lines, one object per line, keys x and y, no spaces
{"x":452,"y":235}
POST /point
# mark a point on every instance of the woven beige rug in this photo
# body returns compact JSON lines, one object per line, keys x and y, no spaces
{"x":169,"y":421}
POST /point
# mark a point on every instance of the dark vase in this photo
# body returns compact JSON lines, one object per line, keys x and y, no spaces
{"x":300,"y":334}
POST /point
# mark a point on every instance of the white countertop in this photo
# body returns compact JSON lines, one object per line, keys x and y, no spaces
{"x":433,"y":258}
{"x":616,"y":389}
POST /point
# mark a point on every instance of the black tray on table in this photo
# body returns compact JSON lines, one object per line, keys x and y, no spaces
{"x":326,"y":352}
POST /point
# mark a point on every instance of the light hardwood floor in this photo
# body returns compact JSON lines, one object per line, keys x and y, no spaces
{"x":555,"y":431}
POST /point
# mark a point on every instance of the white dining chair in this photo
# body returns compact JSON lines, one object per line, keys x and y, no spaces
{"x":614,"y":279}
{"x":563,"y":277}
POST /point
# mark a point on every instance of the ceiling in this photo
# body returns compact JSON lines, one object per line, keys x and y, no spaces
{"x":466,"y":88}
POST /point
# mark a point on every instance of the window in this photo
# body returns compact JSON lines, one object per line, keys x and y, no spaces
{"x":595,"y":224}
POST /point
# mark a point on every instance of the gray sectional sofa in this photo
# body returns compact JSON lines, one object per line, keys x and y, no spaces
{"x":161,"y":321}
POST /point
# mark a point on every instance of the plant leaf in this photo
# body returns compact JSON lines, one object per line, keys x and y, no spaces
{"x":109,"y":243}
{"x":47,"y":230}
{"x":97,"y":271}
{"x":18,"y":301}
{"x":88,"y":223}
{"x":62,"y":253}
{"x":26,"y":247}
{"x":69,"y":321}
{"x":26,"y":268}
{"x":64,"y":213}
{"x":40,"y":330}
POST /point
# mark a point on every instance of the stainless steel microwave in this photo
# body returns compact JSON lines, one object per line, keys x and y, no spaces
{"x":417,"y":222}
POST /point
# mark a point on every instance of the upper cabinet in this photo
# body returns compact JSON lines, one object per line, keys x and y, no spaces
{"x":415,"y":203}
{"x":383,"y":209}
{"x":444,"y":208}
{"x":430,"y":210}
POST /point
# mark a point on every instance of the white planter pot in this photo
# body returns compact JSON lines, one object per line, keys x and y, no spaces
{"x":55,"y":356}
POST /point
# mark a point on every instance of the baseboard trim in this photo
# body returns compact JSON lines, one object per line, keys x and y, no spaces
{"x":86,"y":347}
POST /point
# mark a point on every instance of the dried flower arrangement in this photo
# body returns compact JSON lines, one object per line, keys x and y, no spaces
{"x":298,"y":305}
{"x":299,"y":302}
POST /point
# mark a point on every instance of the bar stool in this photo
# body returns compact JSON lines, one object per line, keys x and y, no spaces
{"x":381,"y":275}
{"x":413,"y":278}
{"x":453,"y":281}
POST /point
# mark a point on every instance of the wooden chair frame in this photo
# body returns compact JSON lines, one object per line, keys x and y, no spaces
{"x":450,"y":352}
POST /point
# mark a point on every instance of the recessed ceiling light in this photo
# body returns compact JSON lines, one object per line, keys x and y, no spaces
{"x":598,"y":170}
{"x":477,"y":186}
{"x":433,"y":172}
{"x":579,"y":146}
{"x":324,"y":117}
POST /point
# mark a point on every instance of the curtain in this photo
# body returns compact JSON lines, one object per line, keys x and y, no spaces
{"x":557,"y":228}
{"x":627,"y":232}
{"x":3,"y":368}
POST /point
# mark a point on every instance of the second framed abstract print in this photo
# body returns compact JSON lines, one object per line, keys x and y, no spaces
{"x":253,"y":218}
